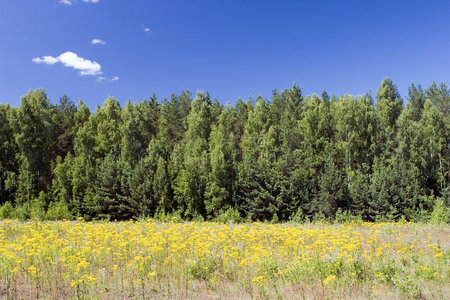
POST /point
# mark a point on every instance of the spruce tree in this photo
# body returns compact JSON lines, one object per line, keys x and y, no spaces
{"x":8,"y":151}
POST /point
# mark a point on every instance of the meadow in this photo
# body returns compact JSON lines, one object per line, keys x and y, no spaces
{"x":174,"y":260}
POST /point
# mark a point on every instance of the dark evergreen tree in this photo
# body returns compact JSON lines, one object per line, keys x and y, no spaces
{"x":8,"y":152}
{"x":291,"y":175}
{"x":63,"y":118}
{"x":256,"y":187}
{"x":333,"y":192}
{"x":108,"y":201}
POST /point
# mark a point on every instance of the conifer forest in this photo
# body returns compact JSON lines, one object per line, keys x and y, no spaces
{"x":291,"y":157}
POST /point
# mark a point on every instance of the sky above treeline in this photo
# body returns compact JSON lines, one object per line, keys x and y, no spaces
{"x":92,"y":49}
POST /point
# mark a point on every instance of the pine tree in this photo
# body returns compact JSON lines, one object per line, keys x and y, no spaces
{"x":256,"y":194}
{"x":333,"y":192}
{"x":360,"y":193}
{"x":140,"y":187}
{"x":394,"y":189}
{"x":63,"y":118}
{"x":389,"y":106}
{"x":108,"y":201}
{"x":291,"y":176}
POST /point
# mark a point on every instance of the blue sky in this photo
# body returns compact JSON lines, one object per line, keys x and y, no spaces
{"x":230,"y":48}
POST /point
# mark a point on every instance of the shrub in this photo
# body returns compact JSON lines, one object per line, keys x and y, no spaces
{"x":440,"y":213}
{"x":37,"y":209}
{"x":23,"y":212}
{"x":298,"y":217}
{"x":168,"y":217}
{"x":7,"y":211}
{"x":58,"y":211}
{"x":230,"y":215}
{"x":345,"y":216}
{"x":202,"y":269}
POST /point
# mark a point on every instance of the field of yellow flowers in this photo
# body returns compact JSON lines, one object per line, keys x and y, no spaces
{"x":149,"y":259}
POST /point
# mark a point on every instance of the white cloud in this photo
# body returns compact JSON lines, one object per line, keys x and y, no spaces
{"x":48,"y":60}
{"x":69,"y":2}
{"x":98,"y":41}
{"x":146,"y":29}
{"x":86,"y":67}
{"x":101,"y":78}
{"x":70,"y":59}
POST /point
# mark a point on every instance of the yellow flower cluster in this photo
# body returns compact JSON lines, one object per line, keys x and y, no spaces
{"x":93,"y":258}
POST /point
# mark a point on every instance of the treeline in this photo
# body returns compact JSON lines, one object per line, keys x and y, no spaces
{"x":293,"y":157}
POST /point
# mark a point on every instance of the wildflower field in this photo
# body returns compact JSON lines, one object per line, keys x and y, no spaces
{"x":149,"y":259}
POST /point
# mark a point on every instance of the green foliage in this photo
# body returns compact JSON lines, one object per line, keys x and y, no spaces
{"x":257,"y":190}
{"x":202,"y":269}
{"x":23,"y":212}
{"x":388,"y":273}
{"x":345,"y":216}
{"x":360,"y":194}
{"x":222,"y":151}
{"x":291,"y":157}
{"x":37,"y":209}
{"x":440,"y":98}
{"x":333,"y":192}
{"x":416,"y":101}
{"x":8,"y":152}
{"x":440,"y":213}
{"x":389,"y":105}
{"x":34,"y":135}
{"x":58,"y":211}
{"x":298,"y":217}
{"x":7,"y":211}
{"x":191,"y":181}
{"x":229,"y":215}
{"x":168,"y":217}
{"x":63,"y":118}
